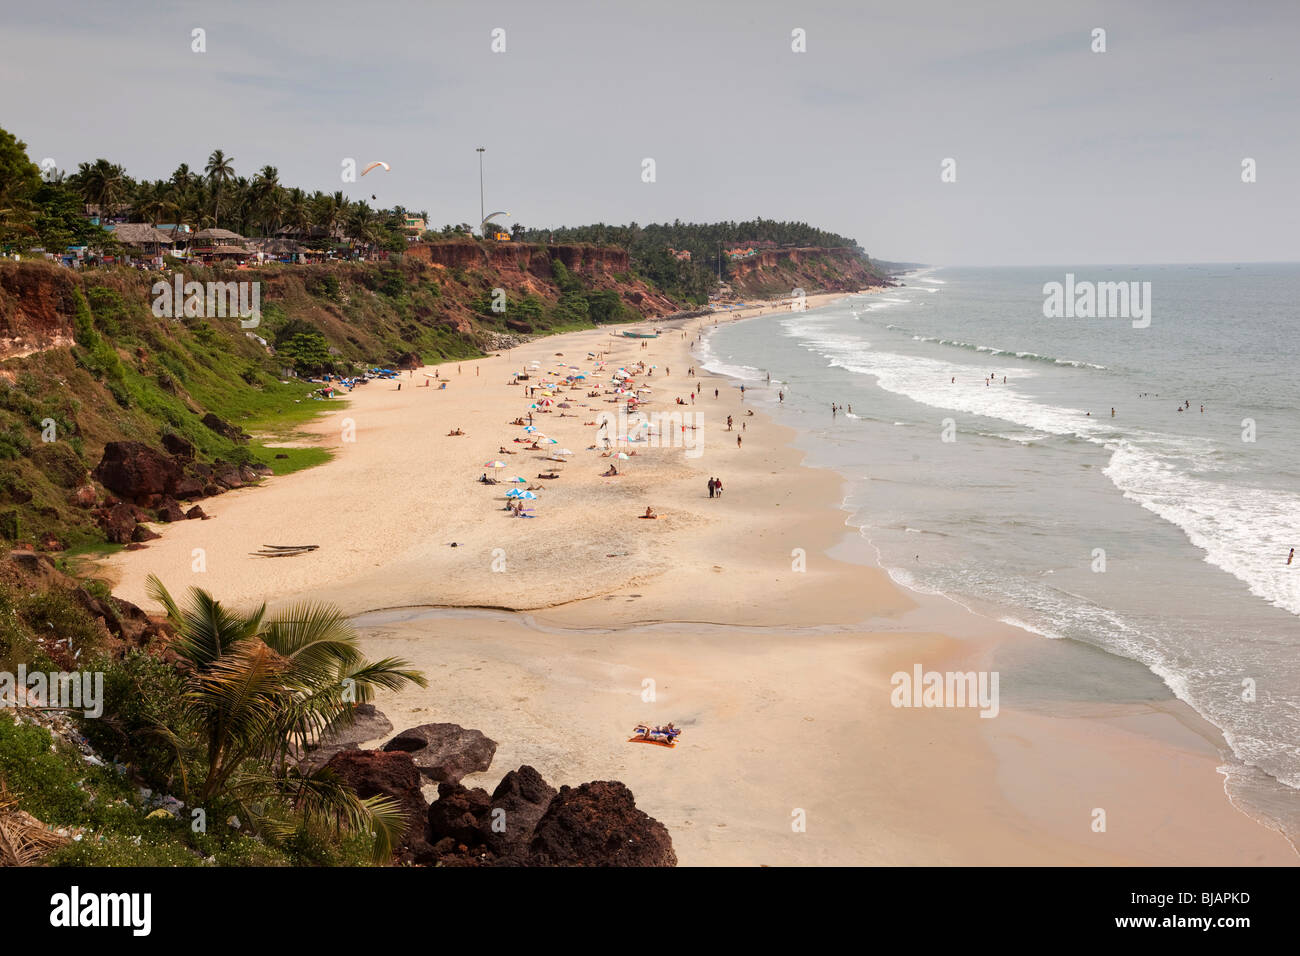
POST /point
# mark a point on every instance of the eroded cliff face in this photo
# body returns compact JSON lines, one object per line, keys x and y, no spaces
{"x":588,"y":261}
{"x":36,"y":309}
{"x":775,"y":272}
{"x":530,"y":269}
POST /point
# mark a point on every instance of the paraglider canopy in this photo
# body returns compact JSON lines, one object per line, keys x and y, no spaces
{"x":483,"y":227}
{"x":373,"y":165}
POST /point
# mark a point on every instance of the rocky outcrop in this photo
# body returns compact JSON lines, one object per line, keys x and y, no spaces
{"x":119,"y":521}
{"x":494,"y":828}
{"x":598,"y":824}
{"x":368,"y":723}
{"x":177,"y":446}
{"x":526,"y":822}
{"x":224,"y":428}
{"x":377,"y":773}
{"x":460,"y":815}
{"x":145,"y":477}
{"x":134,"y":471}
{"x":445,"y":752}
{"x":522,"y":796}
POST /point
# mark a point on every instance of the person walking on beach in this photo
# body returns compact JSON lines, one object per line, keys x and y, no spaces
{"x":715,"y":393}
{"x":780,"y":397}
{"x":712,"y":485}
{"x":717,"y":487}
{"x":737,"y":441}
{"x":1290,"y":556}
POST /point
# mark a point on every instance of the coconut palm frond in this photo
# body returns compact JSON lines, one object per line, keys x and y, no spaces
{"x":323,"y":798}
{"x":317,"y":637}
{"x":157,"y":591}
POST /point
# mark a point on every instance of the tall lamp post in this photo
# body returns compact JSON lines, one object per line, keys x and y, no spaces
{"x":482,"y":210}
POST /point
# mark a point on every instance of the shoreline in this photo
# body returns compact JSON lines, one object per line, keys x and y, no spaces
{"x":875,"y":781}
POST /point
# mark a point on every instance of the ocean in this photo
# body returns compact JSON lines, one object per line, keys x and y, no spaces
{"x":1159,"y":535}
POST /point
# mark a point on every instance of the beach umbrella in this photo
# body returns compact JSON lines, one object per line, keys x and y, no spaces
{"x":564,"y":451}
{"x":495,"y":464}
{"x":552,"y":441}
{"x":528,"y":495}
{"x":518,"y":479}
{"x":514,"y":493}
{"x":530,"y":428}
{"x":622,"y":456}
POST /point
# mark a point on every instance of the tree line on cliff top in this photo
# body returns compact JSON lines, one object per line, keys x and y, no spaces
{"x":47,"y":209}
{"x":655,"y":249}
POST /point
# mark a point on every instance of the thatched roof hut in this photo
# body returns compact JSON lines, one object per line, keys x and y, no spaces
{"x":141,"y":235}
{"x":218,"y":235}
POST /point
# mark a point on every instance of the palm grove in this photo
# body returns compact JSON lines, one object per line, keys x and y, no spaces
{"x":46,"y":209}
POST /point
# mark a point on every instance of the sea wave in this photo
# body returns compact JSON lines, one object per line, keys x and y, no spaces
{"x":994,"y":350}
{"x":1242,"y":530}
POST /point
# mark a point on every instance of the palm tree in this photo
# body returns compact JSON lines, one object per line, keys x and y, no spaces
{"x":261,"y":689}
{"x":269,"y":198}
{"x":297,"y":212}
{"x":103,"y":184}
{"x":220,"y":170}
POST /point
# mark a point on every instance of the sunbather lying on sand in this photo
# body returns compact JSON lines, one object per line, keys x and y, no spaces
{"x":455,"y":431}
{"x":612,"y":472}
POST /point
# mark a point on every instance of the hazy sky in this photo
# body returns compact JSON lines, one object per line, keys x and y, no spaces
{"x":1063,"y":156}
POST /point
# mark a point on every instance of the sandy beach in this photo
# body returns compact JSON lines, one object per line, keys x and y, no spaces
{"x":555,"y":634}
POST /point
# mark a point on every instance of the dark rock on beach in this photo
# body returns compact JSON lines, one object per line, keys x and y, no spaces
{"x":445,"y":752}
{"x":170,"y":511}
{"x":523,"y":796}
{"x":526,"y":822}
{"x":119,"y":522}
{"x":133,"y":470}
{"x":598,"y":824}
{"x":376,"y":773}
{"x":459,"y":814}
